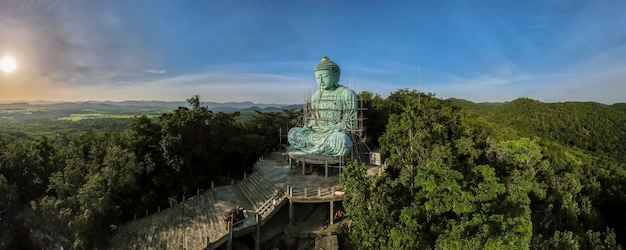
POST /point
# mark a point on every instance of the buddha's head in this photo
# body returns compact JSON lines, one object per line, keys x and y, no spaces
{"x":327,"y":74}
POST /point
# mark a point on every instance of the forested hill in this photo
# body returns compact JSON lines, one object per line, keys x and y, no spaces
{"x":516,"y":175}
{"x":589,"y":126}
{"x":620,"y":106}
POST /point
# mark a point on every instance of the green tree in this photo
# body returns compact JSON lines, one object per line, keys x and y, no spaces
{"x":273,"y":126}
{"x":189,"y":137}
{"x":370,"y":205}
{"x":98,"y":171}
{"x":375,"y":115}
{"x":449,"y":184}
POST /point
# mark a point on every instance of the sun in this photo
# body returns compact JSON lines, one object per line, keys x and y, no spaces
{"x":7,"y":64}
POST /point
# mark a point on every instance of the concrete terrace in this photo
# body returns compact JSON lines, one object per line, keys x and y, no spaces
{"x":198,"y":222}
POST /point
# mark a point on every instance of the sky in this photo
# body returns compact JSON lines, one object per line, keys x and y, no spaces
{"x":265,"y":51}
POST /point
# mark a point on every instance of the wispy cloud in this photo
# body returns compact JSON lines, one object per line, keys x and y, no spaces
{"x":495,"y":87}
{"x":155,"y":71}
{"x":220,"y":86}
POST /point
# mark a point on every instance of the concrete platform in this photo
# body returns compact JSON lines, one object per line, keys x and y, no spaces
{"x":198,"y":222}
{"x":307,"y":158}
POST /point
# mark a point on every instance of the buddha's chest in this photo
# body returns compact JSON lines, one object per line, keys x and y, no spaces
{"x":327,"y":107}
{"x":327,"y":101}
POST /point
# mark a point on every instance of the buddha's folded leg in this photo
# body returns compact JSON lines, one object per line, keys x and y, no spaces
{"x":337,"y":144}
{"x":328,"y":143}
{"x":297,"y":137}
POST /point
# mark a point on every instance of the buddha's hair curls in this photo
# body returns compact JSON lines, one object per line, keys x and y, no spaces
{"x":326,"y":63}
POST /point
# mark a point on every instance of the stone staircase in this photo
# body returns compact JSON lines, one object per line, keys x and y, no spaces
{"x":185,"y":225}
{"x":198,"y":222}
{"x":258,"y":191}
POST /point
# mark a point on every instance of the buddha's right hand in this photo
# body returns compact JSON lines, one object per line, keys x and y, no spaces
{"x":311,"y":124}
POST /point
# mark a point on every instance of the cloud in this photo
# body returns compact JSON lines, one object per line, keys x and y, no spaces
{"x":155,"y":71}
{"x":70,"y":41}
{"x":606,"y":88}
{"x":504,"y":85}
{"x":600,"y":77}
{"x":217,"y":86}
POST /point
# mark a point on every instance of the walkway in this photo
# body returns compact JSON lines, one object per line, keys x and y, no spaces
{"x":198,"y":222}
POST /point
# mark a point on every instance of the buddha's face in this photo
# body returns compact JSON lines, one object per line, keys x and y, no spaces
{"x":326,"y":79}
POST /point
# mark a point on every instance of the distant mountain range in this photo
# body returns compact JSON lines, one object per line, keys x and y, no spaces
{"x":149,"y":105}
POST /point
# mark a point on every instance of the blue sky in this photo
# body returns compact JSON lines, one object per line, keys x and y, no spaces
{"x":265,"y":51}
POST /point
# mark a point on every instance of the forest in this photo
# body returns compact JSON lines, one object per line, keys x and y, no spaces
{"x":74,"y":188}
{"x":516,"y":175}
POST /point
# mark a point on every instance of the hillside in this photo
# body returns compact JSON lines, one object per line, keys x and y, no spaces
{"x":516,"y":175}
{"x":590,"y":126}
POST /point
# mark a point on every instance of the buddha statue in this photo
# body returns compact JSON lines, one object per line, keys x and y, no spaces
{"x":331,"y":116}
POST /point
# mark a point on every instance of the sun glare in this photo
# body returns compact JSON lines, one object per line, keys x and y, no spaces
{"x":7,"y":64}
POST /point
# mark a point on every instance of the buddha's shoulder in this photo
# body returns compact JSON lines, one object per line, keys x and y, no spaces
{"x":339,"y":91}
{"x":345,"y":90}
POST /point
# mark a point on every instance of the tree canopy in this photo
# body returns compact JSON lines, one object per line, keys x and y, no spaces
{"x":509,"y":176}
{"x":84,"y":184}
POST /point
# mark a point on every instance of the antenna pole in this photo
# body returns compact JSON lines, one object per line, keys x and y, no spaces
{"x":419,"y":93}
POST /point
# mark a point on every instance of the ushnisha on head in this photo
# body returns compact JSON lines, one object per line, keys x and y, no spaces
{"x":327,"y":74}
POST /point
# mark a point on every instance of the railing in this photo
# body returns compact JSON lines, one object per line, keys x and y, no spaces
{"x":271,"y":203}
{"x":312,"y":193}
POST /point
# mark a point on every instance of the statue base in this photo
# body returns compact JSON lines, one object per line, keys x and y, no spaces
{"x":308,"y":158}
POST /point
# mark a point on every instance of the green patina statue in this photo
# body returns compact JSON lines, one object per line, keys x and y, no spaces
{"x":333,"y":109}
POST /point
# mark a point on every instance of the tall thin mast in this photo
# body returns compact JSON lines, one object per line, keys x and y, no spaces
{"x":419,"y":92}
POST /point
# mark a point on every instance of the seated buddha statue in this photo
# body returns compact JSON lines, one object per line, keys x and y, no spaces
{"x":331,"y":116}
